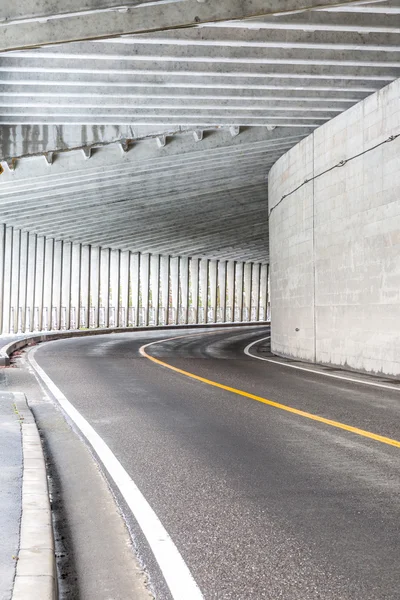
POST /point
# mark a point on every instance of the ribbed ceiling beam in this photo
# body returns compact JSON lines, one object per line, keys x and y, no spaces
{"x":39,"y":22}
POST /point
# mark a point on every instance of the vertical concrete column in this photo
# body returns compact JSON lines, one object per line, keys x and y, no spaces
{"x":84,"y":298}
{"x":247,"y":291}
{"x":48,"y":283}
{"x":145,"y":288}
{"x":124,"y":283}
{"x":204,"y":288}
{"x":23,"y":282}
{"x":105,"y":284}
{"x":8,"y":267}
{"x":263,"y":292}
{"x":115,"y":265}
{"x":194,"y":288}
{"x":164,"y":279}
{"x":222,"y":275}
{"x":155,"y":286}
{"x":135,"y":286}
{"x":76,"y":271}
{"x":31,"y":282}
{"x":94,"y":293}
{"x":40,"y":283}
{"x":213,"y":275}
{"x":239,"y":273}
{"x":15,"y":281}
{"x":57,"y":284}
{"x":174,"y":282}
{"x":66,"y":265}
{"x":184,"y":298}
{"x":256,"y":293}
{"x":2,"y":259}
{"x":230,"y":290}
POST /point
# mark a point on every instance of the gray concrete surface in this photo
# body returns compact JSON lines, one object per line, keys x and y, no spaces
{"x":10,"y":491}
{"x":261,"y":503}
{"x":335,"y":242}
{"x":95,"y":559}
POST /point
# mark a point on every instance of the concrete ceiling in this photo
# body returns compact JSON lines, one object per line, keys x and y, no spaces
{"x":181,"y":126}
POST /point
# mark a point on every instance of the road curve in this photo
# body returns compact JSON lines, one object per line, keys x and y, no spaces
{"x":261,"y":502}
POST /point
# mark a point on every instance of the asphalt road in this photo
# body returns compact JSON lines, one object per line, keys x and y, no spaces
{"x":261,"y":502}
{"x":10,"y":491}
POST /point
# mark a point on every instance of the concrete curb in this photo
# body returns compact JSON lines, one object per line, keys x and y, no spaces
{"x":36,"y":575}
{"x":7,"y":351}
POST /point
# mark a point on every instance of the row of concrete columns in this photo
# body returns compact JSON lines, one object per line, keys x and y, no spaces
{"x":50,"y":284}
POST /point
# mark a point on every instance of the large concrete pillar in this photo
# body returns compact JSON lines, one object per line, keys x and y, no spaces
{"x":39,"y":284}
{"x":57,"y":285}
{"x":23,"y":283}
{"x":155,"y":287}
{"x":66,"y":273}
{"x":255,"y":302}
{"x":105,"y":286}
{"x":247,"y":291}
{"x":124,"y":283}
{"x":204,"y":264}
{"x":263,"y":292}
{"x":239,"y":273}
{"x":222,"y":277}
{"x":94,"y":284}
{"x":164,"y":280}
{"x":184,"y":296}
{"x":174,"y":283}
{"x":144,"y":288}
{"x":48,"y":283}
{"x":83,"y":310}
{"x":15,"y":281}
{"x":30,"y":282}
{"x":194,"y":290}
{"x":76,"y":268}
{"x":230,"y":291}
{"x":213,"y":275}
{"x":2,"y":260}
{"x":135,"y":287}
{"x":115,"y":263}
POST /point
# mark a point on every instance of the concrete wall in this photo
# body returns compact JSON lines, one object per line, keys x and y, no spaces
{"x":48,"y":284}
{"x":335,"y":242}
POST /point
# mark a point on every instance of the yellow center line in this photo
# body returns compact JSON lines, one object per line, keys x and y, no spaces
{"x":295,"y":411}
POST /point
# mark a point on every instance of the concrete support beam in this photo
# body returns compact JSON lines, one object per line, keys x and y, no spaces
{"x":264,"y":293}
{"x":135,"y":286}
{"x":164,"y":280}
{"x":247,"y":291}
{"x":147,"y":17}
{"x":203,"y":305}
{"x":184,"y":290}
{"x":230,"y":291}
{"x":155,"y":287}
{"x":40,"y":283}
{"x":76,"y":276}
{"x":105,"y":286}
{"x":115,"y":266}
{"x":213,"y":277}
{"x":66,"y":275}
{"x":239,"y":284}
{"x":124,"y":285}
{"x":222,"y":289}
{"x":194,"y":288}
{"x":174,"y":290}
{"x":85,"y":283}
{"x":94,"y":289}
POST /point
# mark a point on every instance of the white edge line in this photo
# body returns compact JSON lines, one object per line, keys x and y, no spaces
{"x":351,"y":379}
{"x":174,"y":569}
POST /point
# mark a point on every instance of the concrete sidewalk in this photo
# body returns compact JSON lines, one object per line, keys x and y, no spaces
{"x":10,"y":492}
